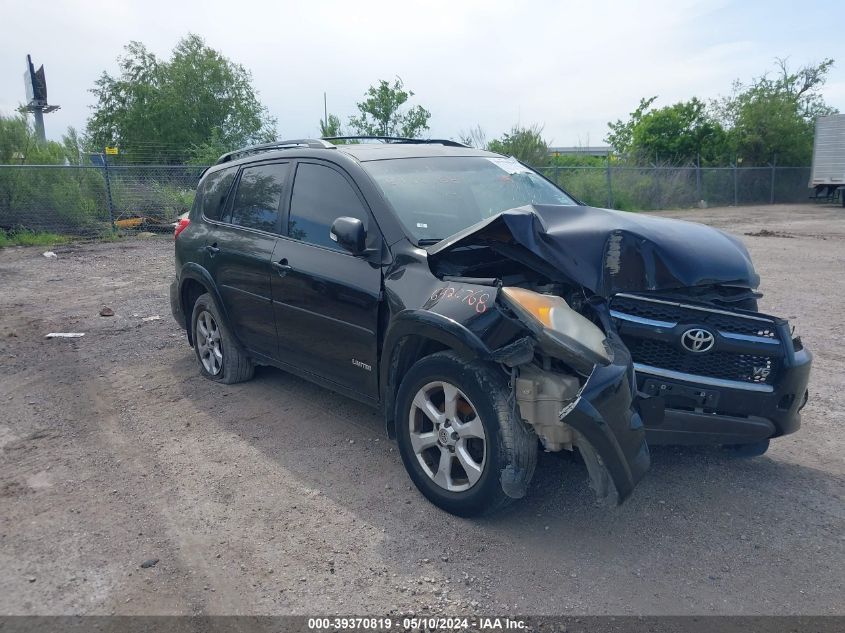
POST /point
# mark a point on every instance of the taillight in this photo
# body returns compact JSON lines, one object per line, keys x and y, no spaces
{"x":181,"y":225}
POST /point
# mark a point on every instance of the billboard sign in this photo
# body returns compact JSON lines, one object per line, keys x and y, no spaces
{"x":35,"y":84}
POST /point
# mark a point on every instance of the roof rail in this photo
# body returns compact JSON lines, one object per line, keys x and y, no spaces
{"x":314,"y":143}
{"x":396,"y":139}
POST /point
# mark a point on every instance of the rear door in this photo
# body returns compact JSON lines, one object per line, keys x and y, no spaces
{"x":325,"y":299}
{"x":240,"y":250}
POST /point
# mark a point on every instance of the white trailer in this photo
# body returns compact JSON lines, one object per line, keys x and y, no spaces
{"x":828,"y":176}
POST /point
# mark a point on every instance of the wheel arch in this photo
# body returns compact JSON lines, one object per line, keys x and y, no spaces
{"x":413,"y":335}
{"x":194,"y":282}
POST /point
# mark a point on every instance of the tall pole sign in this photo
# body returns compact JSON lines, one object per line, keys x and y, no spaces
{"x":36,"y":96}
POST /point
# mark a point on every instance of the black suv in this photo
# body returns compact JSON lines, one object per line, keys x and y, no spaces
{"x":482,"y":309}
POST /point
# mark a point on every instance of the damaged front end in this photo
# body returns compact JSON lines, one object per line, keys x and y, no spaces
{"x":572,"y":377}
{"x":558,"y":269}
{"x":577,"y":391}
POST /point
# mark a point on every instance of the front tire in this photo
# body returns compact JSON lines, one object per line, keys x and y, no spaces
{"x":220,"y":357}
{"x":459,"y":439}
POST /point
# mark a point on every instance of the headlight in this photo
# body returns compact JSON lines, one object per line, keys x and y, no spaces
{"x":562,"y":332}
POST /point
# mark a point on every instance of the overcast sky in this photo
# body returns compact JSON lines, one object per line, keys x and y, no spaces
{"x":570,"y":66}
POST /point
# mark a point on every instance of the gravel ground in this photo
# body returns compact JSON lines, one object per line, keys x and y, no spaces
{"x":279,"y":497}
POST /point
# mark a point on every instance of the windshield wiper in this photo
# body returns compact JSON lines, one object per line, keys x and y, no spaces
{"x":429,"y":241}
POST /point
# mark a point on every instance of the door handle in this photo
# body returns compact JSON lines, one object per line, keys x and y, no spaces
{"x":212,"y":249}
{"x":282,"y":267}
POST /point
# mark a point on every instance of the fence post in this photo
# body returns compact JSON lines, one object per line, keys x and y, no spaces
{"x":736,"y":175}
{"x":108,"y":189}
{"x":772,"y":195}
{"x":609,"y":185}
{"x":698,"y":179}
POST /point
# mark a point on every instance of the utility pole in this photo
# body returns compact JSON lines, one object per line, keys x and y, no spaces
{"x":325,"y":113}
{"x":36,"y":97}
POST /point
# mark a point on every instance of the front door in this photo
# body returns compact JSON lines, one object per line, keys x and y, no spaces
{"x":326,"y":300}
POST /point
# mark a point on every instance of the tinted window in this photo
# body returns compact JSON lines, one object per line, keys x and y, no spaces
{"x":320,"y":196}
{"x":257,"y":199}
{"x":213,"y":192}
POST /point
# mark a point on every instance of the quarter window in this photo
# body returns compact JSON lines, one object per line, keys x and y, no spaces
{"x":320,"y":196}
{"x":256,"y":203}
{"x":213,"y":193}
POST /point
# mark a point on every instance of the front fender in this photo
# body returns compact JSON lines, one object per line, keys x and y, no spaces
{"x":415,"y":325}
{"x":436,"y":327}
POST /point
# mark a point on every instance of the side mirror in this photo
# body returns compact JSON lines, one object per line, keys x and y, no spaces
{"x":350,"y":234}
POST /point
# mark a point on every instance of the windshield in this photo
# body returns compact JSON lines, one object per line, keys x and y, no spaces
{"x":436,"y":197}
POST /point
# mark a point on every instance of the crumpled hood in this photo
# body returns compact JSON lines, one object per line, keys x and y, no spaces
{"x":612,"y":251}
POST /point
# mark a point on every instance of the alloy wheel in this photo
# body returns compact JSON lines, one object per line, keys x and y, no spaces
{"x":447,"y":436}
{"x":209,"y":347}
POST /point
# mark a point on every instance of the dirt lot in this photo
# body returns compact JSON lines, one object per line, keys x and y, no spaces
{"x":279,"y":497}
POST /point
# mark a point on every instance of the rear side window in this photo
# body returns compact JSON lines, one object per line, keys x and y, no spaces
{"x":256,"y":203}
{"x":213,"y":193}
{"x":320,"y":196}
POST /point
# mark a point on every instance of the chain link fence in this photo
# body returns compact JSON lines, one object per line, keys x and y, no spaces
{"x":649,"y":188}
{"x":89,"y":200}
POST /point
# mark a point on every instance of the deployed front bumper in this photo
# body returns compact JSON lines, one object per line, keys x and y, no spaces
{"x":733,"y":415}
{"x":604,"y":417}
{"x":750,"y":385}
{"x":595,"y":416}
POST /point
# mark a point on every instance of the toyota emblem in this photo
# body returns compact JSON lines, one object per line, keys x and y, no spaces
{"x":698,"y":340}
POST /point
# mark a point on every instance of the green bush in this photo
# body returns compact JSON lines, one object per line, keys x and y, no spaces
{"x":60,"y":198}
{"x":588,"y":184}
{"x":161,"y":195}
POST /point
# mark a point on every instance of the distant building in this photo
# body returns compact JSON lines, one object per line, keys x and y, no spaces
{"x":598,"y":150}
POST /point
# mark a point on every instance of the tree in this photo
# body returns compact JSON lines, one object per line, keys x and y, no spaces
{"x":45,"y":199}
{"x":476,"y":137}
{"x":680,"y":134}
{"x":773,"y":118}
{"x":523,"y":143}
{"x":331,"y":127}
{"x":382,"y":114}
{"x":621,"y":134}
{"x":191,"y":105}
{"x":20,"y":146}
{"x":74,"y":145}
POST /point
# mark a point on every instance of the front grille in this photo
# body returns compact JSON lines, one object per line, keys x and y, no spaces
{"x":674,"y":313}
{"x":665,"y":351}
{"x":750,"y":368}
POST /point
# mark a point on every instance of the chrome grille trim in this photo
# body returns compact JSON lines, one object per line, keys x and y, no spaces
{"x":749,"y":337}
{"x":694,"y":307}
{"x":642,"y":320}
{"x":668,"y":325}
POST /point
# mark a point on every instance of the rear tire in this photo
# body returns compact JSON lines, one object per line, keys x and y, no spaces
{"x":219,"y":356}
{"x":459,"y":439}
